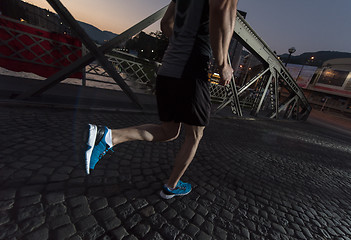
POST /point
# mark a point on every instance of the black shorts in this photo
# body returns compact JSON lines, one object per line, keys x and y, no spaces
{"x":186,"y":99}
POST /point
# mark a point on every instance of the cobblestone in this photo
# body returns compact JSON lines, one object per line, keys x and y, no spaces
{"x":111,"y":223}
{"x":31,"y":224}
{"x":169,"y":231}
{"x":6,"y":204}
{"x":64,"y":231}
{"x":56,"y":210}
{"x":170,"y":213}
{"x":42,"y":233}
{"x":119,"y":233}
{"x":180,"y":222}
{"x":54,"y":198}
{"x":86,"y":223}
{"x":132,"y":221}
{"x":141,"y":230}
{"x":258,"y":179}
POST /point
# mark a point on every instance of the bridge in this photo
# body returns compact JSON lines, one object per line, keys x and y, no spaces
{"x":272,"y":93}
{"x":253,"y":178}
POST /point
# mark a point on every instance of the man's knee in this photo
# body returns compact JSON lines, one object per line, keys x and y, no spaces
{"x":173,"y":134}
{"x":171,"y":130}
{"x":195,"y":133}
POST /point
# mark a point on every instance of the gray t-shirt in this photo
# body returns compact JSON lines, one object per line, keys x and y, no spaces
{"x":190,"y":37}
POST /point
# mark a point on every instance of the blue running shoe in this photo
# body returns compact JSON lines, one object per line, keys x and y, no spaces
{"x":98,"y":144}
{"x":181,"y":189}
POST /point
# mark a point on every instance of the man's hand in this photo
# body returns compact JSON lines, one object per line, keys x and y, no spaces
{"x":226,"y":73}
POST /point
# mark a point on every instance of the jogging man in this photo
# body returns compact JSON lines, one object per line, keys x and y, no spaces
{"x":182,"y":86}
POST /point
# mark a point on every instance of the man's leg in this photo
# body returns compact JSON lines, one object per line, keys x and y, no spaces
{"x":167,"y":131}
{"x":101,"y":139}
{"x":193,"y":135}
{"x":164,"y":132}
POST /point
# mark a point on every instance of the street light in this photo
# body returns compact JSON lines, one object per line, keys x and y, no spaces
{"x":291,"y":51}
{"x":311,"y":60}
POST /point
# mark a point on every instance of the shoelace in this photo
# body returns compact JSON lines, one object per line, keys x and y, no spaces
{"x":104,"y":152}
{"x":181,"y":186}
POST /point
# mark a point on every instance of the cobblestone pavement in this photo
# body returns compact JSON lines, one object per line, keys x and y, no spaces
{"x":252,"y":179}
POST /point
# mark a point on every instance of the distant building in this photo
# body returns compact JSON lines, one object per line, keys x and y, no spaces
{"x":249,"y":67}
{"x":330,"y":87}
{"x":34,"y":15}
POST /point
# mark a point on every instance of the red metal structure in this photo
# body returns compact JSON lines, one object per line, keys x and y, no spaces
{"x":28,"y":48}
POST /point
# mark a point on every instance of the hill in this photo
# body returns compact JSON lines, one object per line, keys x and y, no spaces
{"x":96,"y":34}
{"x":319,"y":57}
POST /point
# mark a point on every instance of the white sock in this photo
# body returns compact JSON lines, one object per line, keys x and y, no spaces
{"x":169,"y":187}
{"x":109,"y":137}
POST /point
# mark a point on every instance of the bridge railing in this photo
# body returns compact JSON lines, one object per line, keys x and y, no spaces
{"x":269,"y":84}
{"x":138,"y":73}
{"x":29,"y":48}
{"x":265,"y":88}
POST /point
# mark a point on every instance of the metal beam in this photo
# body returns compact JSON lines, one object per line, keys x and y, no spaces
{"x":252,"y":81}
{"x":91,"y":46}
{"x":247,"y":36}
{"x":285,"y":105}
{"x":233,"y":98}
{"x":264,"y":94}
{"x":276,"y":92}
{"x":291,"y":108}
{"x":89,"y":57}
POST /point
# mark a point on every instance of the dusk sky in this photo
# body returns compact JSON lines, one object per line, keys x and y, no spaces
{"x":307,"y":25}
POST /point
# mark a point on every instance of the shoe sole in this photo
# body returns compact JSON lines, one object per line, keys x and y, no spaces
{"x":90,"y":146}
{"x":169,"y":196}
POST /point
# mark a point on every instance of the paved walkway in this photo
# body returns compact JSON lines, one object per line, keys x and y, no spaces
{"x":335,"y":121}
{"x":252,"y":179}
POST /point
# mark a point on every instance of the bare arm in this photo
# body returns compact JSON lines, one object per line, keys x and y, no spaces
{"x":222,"y":20}
{"x":167,"y":21}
